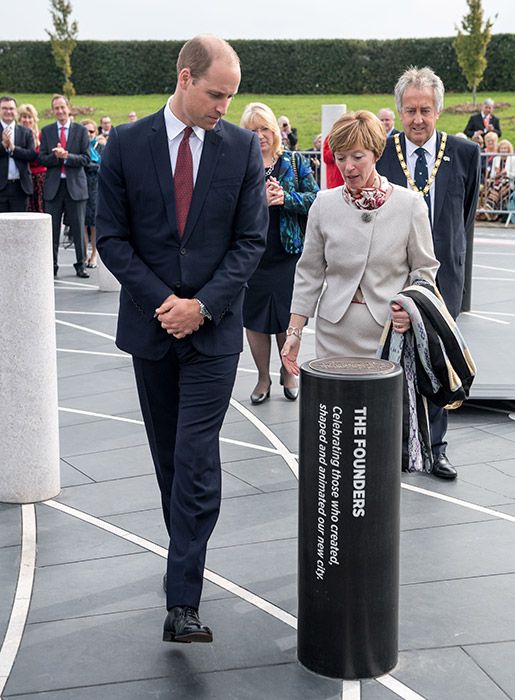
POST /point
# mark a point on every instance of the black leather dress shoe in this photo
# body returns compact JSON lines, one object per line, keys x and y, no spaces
{"x":182,"y":624}
{"x":81,"y":272}
{"x":259,"y":398}
{"x":443,"y":468}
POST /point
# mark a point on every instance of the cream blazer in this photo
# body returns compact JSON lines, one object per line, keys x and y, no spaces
{"x":343,"y":252}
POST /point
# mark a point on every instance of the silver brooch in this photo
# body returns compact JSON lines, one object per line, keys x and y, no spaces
{"x":366,"y":217}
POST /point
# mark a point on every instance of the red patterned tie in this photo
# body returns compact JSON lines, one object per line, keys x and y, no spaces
{"x":62,"y":142}
{"x":183,"y":181}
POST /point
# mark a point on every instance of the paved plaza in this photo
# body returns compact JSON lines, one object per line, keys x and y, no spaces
{"x":81,"y":600}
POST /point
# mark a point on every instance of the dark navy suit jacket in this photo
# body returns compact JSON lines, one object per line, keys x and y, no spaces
{"x":77,"y":146}
{"x":223,"y":241}
{"x":24,"y":153}
{"x":456,"y":194}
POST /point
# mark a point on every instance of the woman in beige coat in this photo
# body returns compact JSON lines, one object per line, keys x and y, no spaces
{"x":365,"y":241}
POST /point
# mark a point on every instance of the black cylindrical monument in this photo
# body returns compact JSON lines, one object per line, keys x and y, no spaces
{"x":349,"y":503}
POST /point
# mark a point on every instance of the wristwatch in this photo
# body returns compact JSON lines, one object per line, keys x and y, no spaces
{"x":203,"y":309}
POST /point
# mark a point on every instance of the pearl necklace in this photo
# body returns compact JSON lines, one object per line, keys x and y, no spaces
{"x":406,"y":172}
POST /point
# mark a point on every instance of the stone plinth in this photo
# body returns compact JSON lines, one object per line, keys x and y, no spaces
{"x":107,"y":282}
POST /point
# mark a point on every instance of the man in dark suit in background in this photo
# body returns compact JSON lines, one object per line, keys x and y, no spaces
{"x":16,"y":152}
{"x":483,"y":122}
{"x":387,"y":119}
{"x":65,"y":153}
{"x":181,"y":222}
{"x":446,"y":170}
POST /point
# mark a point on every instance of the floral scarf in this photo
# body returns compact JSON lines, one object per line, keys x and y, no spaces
{"x":368,"y":197}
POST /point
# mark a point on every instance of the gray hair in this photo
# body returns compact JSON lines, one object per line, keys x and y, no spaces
{"x":421,"y":79}
{"x":488,"y":101}
{"x":387,"y":109}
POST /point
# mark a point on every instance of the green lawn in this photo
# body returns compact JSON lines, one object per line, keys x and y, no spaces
{"x":304,"y":111}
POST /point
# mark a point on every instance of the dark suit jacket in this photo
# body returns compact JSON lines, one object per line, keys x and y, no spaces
{"x":138,"y":240}
{"x":77,"y":146}
{"x":456,"y":194}
{"x":24,"y":153}
{"x":475,"y":123}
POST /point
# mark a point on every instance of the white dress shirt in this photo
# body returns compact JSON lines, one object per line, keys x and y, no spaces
{"x":174,"y":129}
{"x":430,"y":154}
{"x":66,"y":131}
{"x":12,"y":172}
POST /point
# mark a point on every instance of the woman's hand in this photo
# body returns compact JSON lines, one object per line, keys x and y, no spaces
{"x":289,"y":354}
{"x":274,"y":193}
{"x":400,"y":319}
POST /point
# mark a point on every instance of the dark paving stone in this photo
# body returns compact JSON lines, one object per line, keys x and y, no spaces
{"x":267,"y":517}
{"x":115,"y":464}
{"x":148,"y":524}
{"x":446,"y":674}
{"x":71,"y":366}
{"x":498,"y":661}
{"x":450,"y":613}
{"x":497,"y":477}
{"x":460,"y":489}
{"x":127,"y":646}
{"x":113,"y":497}
{"x":71,"y":476}
{"x":470,"y":415}
{"x":9,"y":570}
{"x":107,"y":402}
{"x":268,"y":473}
{"x":106,"y":435}
{"x":63,"y":538}
{"x":10,"y":524}
{"x":87,"y":384}
{"x":274,"y":579}
{"x":476,"y":445}
{"x":98,"y":586}
{"x":421,"y":511}
{"x":457,"y":551}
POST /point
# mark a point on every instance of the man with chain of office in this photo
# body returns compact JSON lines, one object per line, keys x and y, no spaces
{"x":445,"y":170}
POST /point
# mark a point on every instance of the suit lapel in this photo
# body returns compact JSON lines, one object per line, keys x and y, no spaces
{"x":158,"y":141}
{"x":442,"y":178}
{"x":212,"y":143}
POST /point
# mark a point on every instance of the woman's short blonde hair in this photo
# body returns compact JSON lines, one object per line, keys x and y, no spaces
{"x":258,"y":114}
{"x":505,"y":142}
{"x":358,"y":130}
{"x":93,"y":123}
{"x":29,"y":111}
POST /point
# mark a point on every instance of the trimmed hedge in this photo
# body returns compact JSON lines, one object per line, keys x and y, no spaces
{"x":324,"y":66}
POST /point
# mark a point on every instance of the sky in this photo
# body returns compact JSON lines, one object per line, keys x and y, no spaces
{"x":266,"y":19}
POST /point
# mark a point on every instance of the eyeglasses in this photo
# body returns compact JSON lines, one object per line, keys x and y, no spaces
{"x":91,"y":131}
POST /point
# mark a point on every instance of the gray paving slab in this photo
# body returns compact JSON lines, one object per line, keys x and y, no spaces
{"x":10,"y":524}
{"x":460,"y":489}
{"x":457,"y":551}
{"x":498,"y":662}
{"x":446,"y":674}
{"x":459,"y":612}
{"x":71,"y":476}
{"x":107,"y":435}
{"x":268,"y":473}
{"x":115,"y":464}
{"x":9,"y":568}
{"x":496,"y":477}
{"x":63,"y":538}
{"x":148,"y":524}
{"x":476,"y":445}
{"x":113,"y":497}
{"x":89,"y":384}
{"x":126,"y":646}
{"x":113,"y":403}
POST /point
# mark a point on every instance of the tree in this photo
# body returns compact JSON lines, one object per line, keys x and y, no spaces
{"x":63,"y":41}
{"x":471,"y":43}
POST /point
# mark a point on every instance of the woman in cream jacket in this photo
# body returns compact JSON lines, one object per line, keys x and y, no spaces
{"x":365,"y":241}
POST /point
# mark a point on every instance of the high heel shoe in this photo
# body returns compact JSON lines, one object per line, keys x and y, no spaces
{"x":292,"y":393}
{"x":256,"y":398}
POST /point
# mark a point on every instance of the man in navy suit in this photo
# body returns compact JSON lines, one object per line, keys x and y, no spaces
{"x":16,"y":152}
{"x":447,"y":170}
{"x":65,"y":153}
{"x":483,"y":122}
{"x":183,"y":261}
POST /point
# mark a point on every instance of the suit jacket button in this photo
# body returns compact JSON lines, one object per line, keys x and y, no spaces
{"x":183,"y":251}
{"x":177,"y":285}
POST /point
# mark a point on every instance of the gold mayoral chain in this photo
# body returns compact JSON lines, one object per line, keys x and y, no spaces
{"x":405,"y":170}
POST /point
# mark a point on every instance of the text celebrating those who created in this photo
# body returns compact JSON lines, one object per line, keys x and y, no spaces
{"x":330,"y":466}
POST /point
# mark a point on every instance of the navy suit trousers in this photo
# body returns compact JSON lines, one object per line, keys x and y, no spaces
{"x":184,"y":398}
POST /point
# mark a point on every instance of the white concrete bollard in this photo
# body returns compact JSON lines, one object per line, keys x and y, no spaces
{"x":29,"y":429}
{"x":107,"y":282}
{"x":330,"y":114}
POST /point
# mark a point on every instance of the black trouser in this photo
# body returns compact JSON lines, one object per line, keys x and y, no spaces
{"x":13,"y":198}
{"x":75,"y":211}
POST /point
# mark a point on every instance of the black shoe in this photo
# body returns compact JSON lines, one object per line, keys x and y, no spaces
{"x":259,"y":398}
{"x":56,"y":268}
{"x":443,"y":468}
{"x":81,"y":272}
{"x":165,"y":582}
{"x":292,"y":393}
{"x":182,"y":624}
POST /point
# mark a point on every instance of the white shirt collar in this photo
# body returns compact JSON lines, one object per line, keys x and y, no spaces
{"x":8,"y":126}
{"x":174,"y":126}
{"x":66,"y":126}
{"x":429,"y":146}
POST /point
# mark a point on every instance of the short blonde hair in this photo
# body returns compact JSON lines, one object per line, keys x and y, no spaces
{"x":360,"y":129}
{"x":258,"y":114}
{"x":491,"y":136}
{"x":85,"y":122}
{"x":28,"y":110}
{"x":505,"y":142}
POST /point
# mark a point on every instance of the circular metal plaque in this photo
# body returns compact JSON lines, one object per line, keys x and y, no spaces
{"x":352,"y":365}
